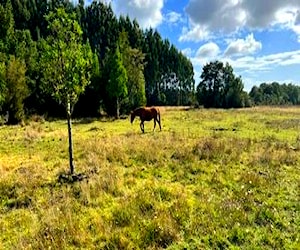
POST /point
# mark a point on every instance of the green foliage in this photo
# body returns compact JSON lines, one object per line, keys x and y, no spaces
{"x":6,"y":22}
{"x":66,"y":62}
{"x":275,"y":94}
{"x":2,"y":84}
{"x":16,"y":89}
{"x":219,"y":87}
{"x":134,"y":63}
{"x":168,"y":73}
{"x":100,"y":26}
{"x":117,"y":82}
{"x":157,"y":72}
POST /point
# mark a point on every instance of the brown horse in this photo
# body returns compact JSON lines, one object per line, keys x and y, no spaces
{"x":146,"y":114}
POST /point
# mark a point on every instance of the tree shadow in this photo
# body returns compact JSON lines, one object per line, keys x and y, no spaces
{"x":68,"y":178}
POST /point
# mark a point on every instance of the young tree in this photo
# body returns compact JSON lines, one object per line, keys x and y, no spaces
{"x":66,"y":63}
{"x":117,"y":82}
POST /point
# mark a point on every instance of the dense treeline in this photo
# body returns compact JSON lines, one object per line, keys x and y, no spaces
{"x":220,"y":88}
{"x":275,"y":94}
{"x":131,"y":66}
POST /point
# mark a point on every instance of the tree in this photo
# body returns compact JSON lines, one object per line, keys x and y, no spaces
{"x":89,"y":102}
{"x":117,"y":82}
{"x":2,"y":84}
{"x":151,"y":44}
{"x":210,"y":88}
{"x":6,"y":28}
{"x":133,"y":60}
{"x":275,"y":94}
{"x":66,"y":64}
{"x":256,"y":95}
{"x":16,"y":89}
{"x":220,"y":88}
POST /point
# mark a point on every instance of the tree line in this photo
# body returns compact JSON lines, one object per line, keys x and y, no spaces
{"x":129,"y":67}
{"x":275,"y":94}
{"x":122,"y":66}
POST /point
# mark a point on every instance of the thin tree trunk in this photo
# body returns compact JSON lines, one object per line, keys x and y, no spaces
{"x":70,"y":138}
{"x":118,"y":108}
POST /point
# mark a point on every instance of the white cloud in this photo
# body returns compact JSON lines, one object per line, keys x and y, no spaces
{"x":252,"y":65}
{"x":173,"y":17}
{"x":229,"y":16}
{"x":147,"y":12}
{"x":209,"y":50}
{"x":197,"y":33}
{"x":265,"y":63}
{"x":216,"y":15}
{"x":289,"y":18}
{"x":253,"y":69}
{"x":206,"y":53}
{"x":243,"y":46}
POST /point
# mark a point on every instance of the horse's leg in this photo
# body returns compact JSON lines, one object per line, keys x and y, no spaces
{"x":158,"y":120}
{"x":142,"y":126}
{"x":154,"y":124}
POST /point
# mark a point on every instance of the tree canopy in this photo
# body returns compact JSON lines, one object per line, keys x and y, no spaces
{"x":275,"y":94}
{"x":220,"y":88}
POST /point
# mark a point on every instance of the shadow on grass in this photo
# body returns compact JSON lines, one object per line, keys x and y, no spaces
{"x":68,"y":178}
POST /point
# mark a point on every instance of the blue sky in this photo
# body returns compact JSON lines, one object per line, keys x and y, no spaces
{"x":259,"y":38}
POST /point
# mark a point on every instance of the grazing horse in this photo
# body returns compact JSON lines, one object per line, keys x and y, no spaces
{"x":146,"y":114}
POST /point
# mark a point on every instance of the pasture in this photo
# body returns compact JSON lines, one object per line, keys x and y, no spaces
{"x":211,"y":179}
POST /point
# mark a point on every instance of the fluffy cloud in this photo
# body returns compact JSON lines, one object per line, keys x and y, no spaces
{"x":206,"y":53}
{"x":243,"y":46}
{"x":210,"y":50}
{"x":265,"y":63}
{"x":289,"y":19}
{"x":147,"y":12}
{"x":216,"y":15}
{"x":198,"y":33}
{"x":228,"y":16}
{"x":173,"y":17}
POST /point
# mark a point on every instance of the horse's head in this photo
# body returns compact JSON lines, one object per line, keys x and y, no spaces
{"x":132,"y":116}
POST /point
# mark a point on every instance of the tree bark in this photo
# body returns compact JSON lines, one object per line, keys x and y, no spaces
{"x":70,"y":138}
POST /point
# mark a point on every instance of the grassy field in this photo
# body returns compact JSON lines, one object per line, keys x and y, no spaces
{"x":212,"y":179}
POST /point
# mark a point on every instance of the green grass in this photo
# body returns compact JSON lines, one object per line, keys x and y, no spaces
{"x":212,"y":179}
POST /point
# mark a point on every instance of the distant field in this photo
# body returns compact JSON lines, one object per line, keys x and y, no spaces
{"x":212,"y":179}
